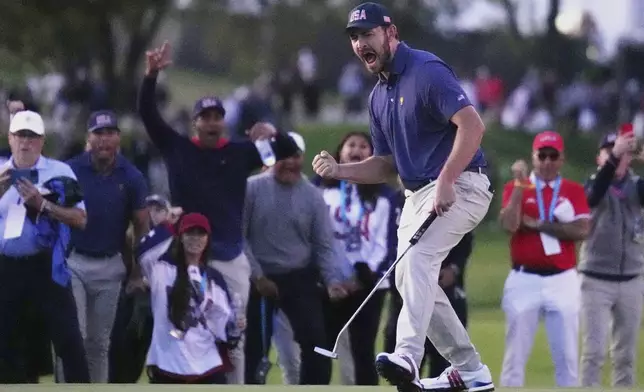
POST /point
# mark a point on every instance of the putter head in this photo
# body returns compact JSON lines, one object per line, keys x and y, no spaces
{"x":326,"y":353}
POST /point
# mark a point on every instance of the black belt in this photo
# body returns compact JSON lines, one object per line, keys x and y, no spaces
{"x":95,"y":255}
{"x":416,"y":185}
{"x":538,"y":271}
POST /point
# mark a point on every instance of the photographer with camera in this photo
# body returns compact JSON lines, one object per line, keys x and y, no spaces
{"x":196,"y":321}
{"x":611,"y":263}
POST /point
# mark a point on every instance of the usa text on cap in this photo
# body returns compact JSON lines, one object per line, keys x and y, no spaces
{"x":548,"y":139}
{"x":207,"y":103}
{"x":368,"y":16}
{"x":27,"y":120}
{"x":102,"y":119}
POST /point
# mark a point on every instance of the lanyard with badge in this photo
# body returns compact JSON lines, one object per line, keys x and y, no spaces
{"x":553,"y":203}
{"x":353,"y":240}
{"x":198,"y":285}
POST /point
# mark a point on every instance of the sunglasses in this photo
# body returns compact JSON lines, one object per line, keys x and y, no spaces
{"x":543,"y":155}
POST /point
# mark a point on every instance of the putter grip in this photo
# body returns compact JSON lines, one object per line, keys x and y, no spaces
{"x":421,"y":230}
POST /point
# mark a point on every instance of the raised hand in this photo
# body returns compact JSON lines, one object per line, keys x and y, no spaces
{"x":157,"y":59}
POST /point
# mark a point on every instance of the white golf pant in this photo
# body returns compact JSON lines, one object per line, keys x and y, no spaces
{"x":527,"y":298}
{"x":426,"y":311}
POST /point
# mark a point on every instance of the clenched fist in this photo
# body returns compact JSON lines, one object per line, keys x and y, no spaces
{"x":325,"y":165}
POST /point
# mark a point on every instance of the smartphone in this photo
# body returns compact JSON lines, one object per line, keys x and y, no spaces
{"x":30,"y":174}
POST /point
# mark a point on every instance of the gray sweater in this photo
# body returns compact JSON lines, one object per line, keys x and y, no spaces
{"x":287,"y":228}
{"x":610,"y":249}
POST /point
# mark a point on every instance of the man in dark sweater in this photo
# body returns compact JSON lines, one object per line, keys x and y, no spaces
{"x":207,"y":174}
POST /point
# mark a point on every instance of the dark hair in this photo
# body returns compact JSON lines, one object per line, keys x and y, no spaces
{"x":366,"y":192}
{"x":181,"y":290}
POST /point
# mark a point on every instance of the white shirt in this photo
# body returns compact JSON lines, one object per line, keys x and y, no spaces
{"x":197,"y":352}
{"x":377,"y":225}
{"x":25,"y":244}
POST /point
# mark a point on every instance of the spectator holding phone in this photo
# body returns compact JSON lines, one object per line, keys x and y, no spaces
{"x":611,"y":264}
{"x":194,"y":316}
{"x":29,"y":272}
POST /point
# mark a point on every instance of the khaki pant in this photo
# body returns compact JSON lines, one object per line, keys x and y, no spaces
{"x":236,"y":273}
{"x":613,"y":308}
{"x":426,"y":311}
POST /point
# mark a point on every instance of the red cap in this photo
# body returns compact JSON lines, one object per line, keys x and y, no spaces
{"x":625,"y":129}
{"x":192,"y":220}
{"x":549,"y":139}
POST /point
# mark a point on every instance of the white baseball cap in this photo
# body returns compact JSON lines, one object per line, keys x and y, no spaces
{"x":27,"y":120}
{"x":299,"y":140}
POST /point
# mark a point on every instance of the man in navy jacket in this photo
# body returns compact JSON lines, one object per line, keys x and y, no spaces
{"x":207,"y":174}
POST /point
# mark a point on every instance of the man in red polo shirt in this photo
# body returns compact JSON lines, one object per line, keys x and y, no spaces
{"x":545,"y":215}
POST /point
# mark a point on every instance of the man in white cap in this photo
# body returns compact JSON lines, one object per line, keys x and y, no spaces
{"x":28,"y":272}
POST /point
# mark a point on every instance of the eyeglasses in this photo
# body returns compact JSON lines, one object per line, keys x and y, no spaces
{"x":543,"y":155}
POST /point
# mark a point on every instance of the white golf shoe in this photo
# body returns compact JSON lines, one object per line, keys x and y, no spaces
{"x":399,"y":370}
{"x":453,"y":380}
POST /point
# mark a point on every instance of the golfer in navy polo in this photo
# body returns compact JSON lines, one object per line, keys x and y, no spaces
{"x":115,"y":192}
{"x":424,"y":127}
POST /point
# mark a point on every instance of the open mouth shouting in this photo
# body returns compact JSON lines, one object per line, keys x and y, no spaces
{"x":369,"y":57}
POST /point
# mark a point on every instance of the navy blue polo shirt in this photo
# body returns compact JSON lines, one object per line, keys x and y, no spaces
{"x":410,"y":115}
{"x":110,"y":202}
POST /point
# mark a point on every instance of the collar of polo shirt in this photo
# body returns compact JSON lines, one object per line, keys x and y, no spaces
{"x":399,"y":62}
